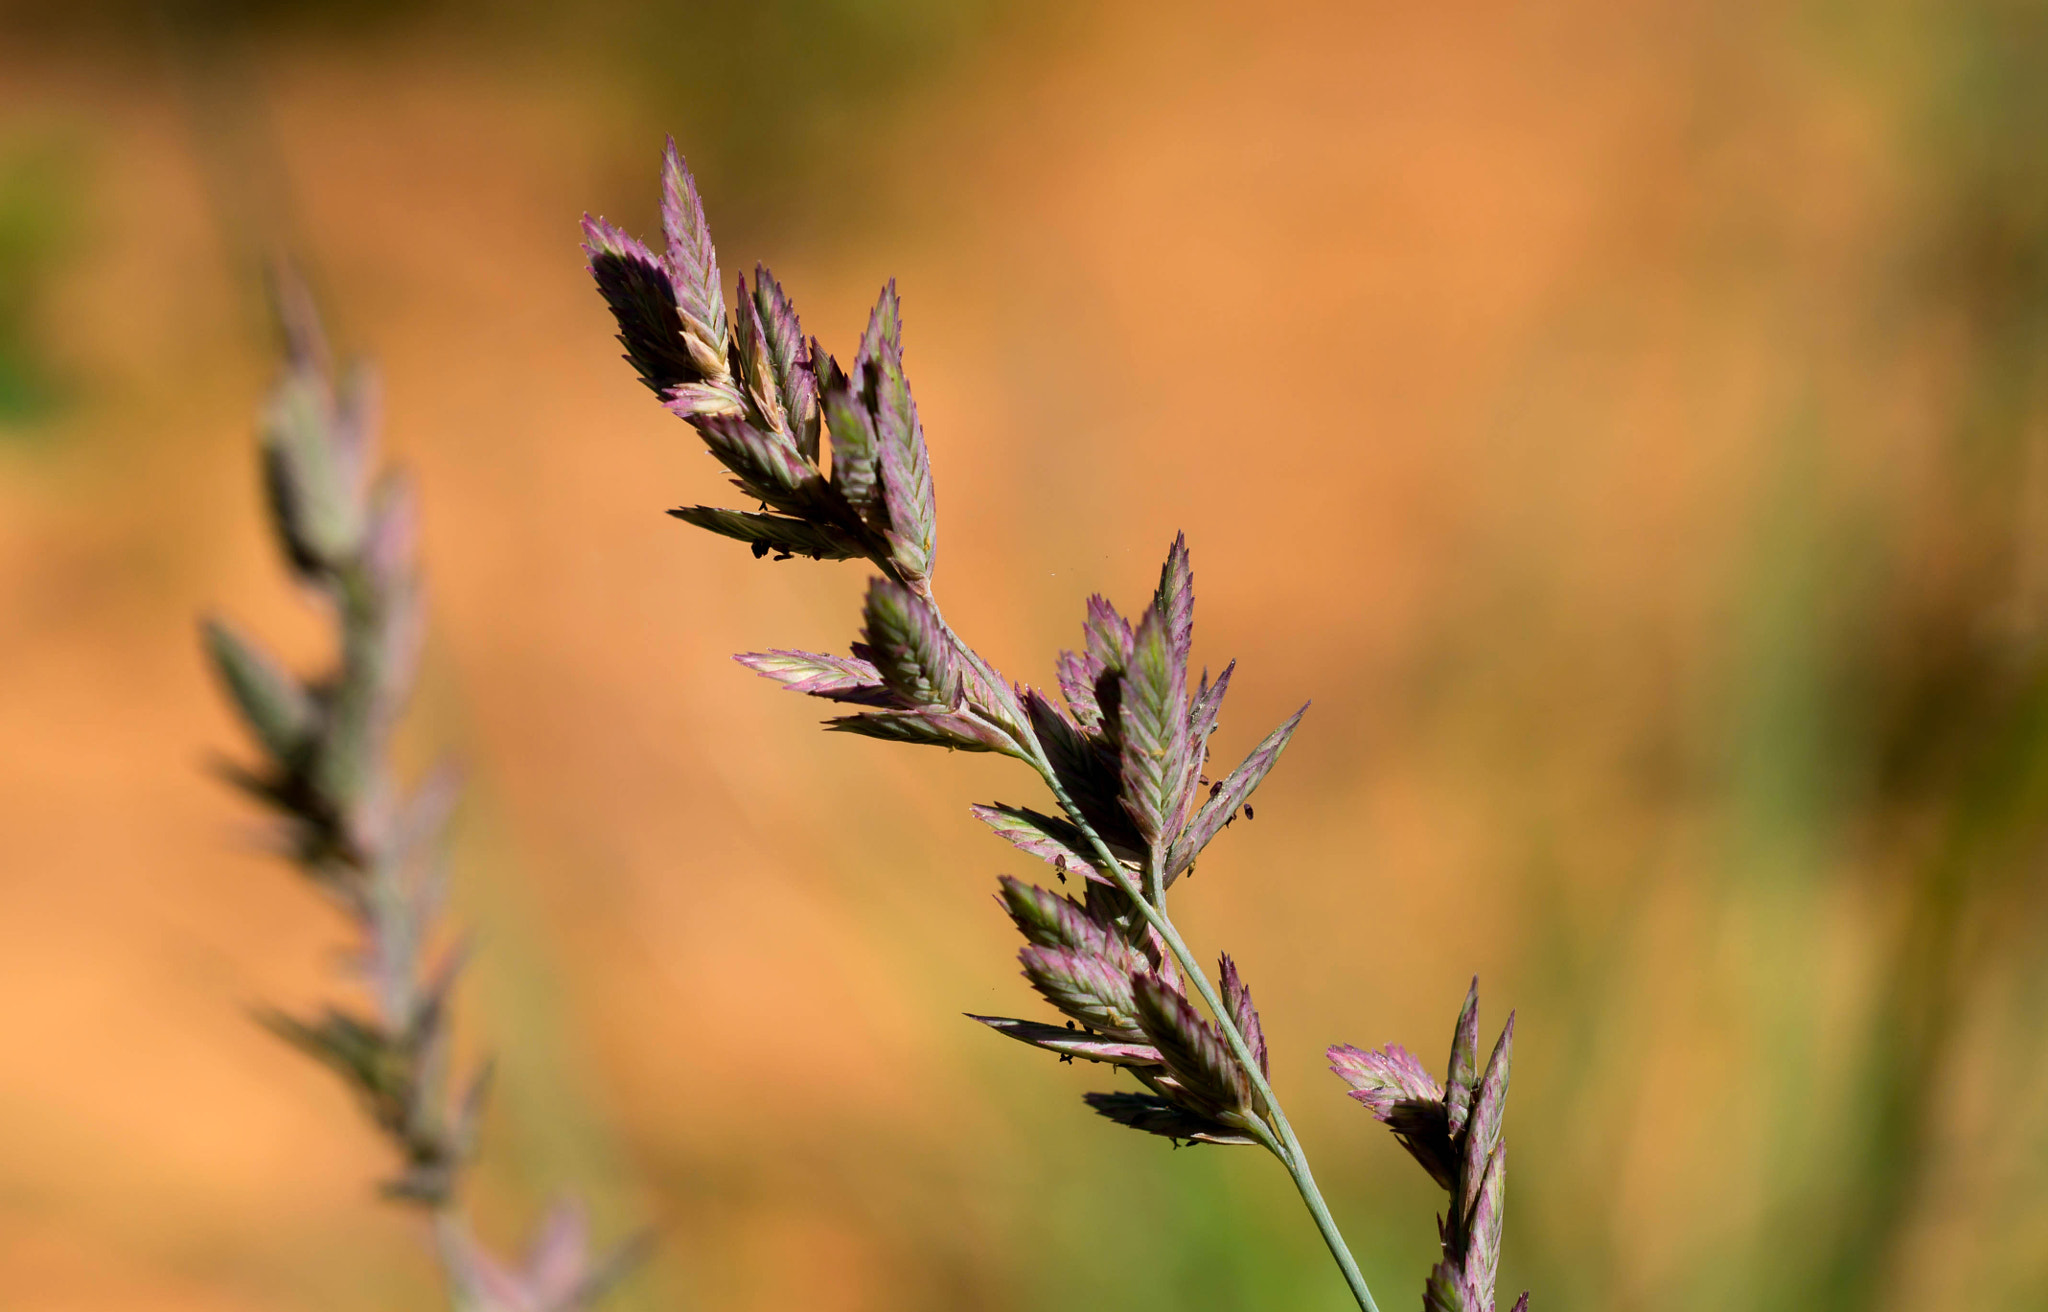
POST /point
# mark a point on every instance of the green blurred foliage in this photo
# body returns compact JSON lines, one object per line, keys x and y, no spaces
{"x":38,"y":213}
{"x":782,"y":103}
{"x":1875,"y":740}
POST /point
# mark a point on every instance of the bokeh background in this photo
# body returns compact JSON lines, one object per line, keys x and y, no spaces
{"x":1626,"y":421}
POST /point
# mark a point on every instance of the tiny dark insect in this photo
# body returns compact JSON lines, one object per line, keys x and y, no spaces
{"x":1247,"y":810}
{"x":760,"y":550}
{"x":1070,"y":1024}
{"x":1216,"y":788}
{"x":1066,"y":1059}
{"x":1059,"y":866}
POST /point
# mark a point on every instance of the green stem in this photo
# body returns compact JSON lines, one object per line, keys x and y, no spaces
{"x":1279,"y":1138}
{"x":1287,"y":1148}
{"x":451,"y":1246}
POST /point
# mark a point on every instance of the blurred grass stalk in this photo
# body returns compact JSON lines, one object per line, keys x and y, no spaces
{"x":1912,"y":725}
{"x":1871,"y":756}
{"x":375,"y":849}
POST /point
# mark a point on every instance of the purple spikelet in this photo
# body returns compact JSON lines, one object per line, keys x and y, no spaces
{"x":1239,"y":999}
{"x":1454,"y":1131}
{"x":635,"y":283}
{"x":1175,"y":599}
{"x":884,"y":332}
{"x":909,"y":646}
{"x":1153,"y":715}
{"x":856,"y":464}
{"x":692,"y":263}
{"x":1463,"y":1069}
{"x":1092,"y":987}
{"x":1056,"y":842}
{"x":835,"y":678}
{"x":1229,"y":795}
{"x":1206,"y":1081}
{"x":1049,"y":920}
{"x":1078,"y":674}
{"x":1163,"y":1117}
{"x":776,"y":364}
{"x":1073,"y":1043}
{"x":1109,"y":636}
{"x":913,"y":527}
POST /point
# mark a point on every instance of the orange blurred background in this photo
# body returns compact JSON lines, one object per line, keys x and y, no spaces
{"x":1625,"y":421}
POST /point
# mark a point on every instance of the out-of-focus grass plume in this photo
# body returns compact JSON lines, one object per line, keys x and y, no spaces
{"x":375,"y":847}
{"x":1627,"y":424}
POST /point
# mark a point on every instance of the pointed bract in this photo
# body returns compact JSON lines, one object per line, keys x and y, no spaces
{"x":1202,"y":713}
{"x":1243,"y":1014}
{"x":1175,"y":599}
{"x":1078,"y":675}
{"x":1483,"y":1225}
{"x":1211,"y":1084}
{"x":856,"y":467}
{"x":692,"y":262}
{"x":837,"y":678}
{"x":1449,"y":1291}
{"x":780,"y":533}
{"x":1483,"y":1131}
{"x":1052,"y":840}
{"x":906,"y":480}
{"x":1154,"y":719}
{"x":754,"y":357}
{"x":1207,"y":705}
{"x":1089,"y":769}
{"x":767,"y":463}
{"x":956,"y":731}
{"x":788,"y":359}
{"x":642,"y":294}
{"x":1237,"y":788}
{"x":1395,"y":1088}
{"x":1160,"y":1117}
{"x":903,"y":463}
{"x":1072,"y":1043}
{"x":693,"y":401}
{"x":316,"y":486}
{"x":275,"y":706}
{"x":884,"y":331}
{"x":910,"y":647}
{"x":1048,"y":920}
{"x":1463,"y":1071}
{"x":1091,"y":989}
{"x":1109,"y":636}
{"x":1384,"y":1077}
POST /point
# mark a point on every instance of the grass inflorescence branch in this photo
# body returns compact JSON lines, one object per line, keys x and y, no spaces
{"x":1123,"y":748}
{"x":374,"y":848}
